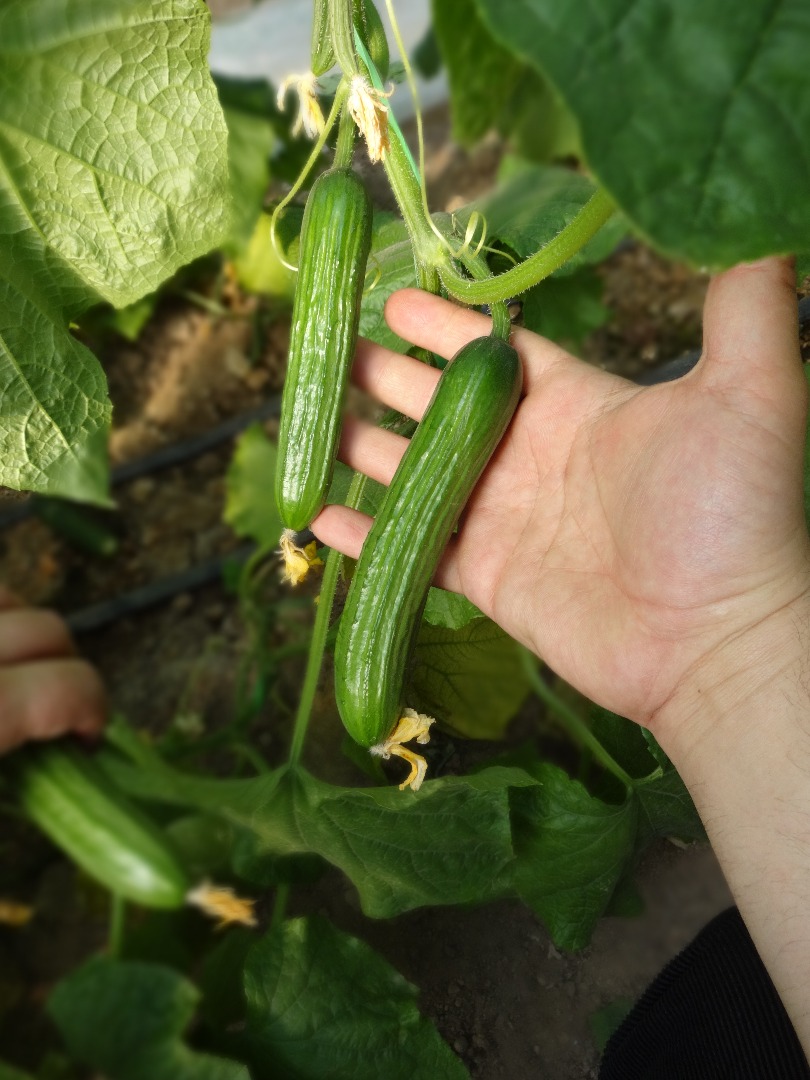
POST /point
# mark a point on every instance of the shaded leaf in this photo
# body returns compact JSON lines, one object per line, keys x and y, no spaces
{"x":322,"y":1003}
{"x":250,"y":504}
{"x":471,"y":679}
{"x":449,"y":844}
{"x":692,"y":115}
{"x":490,"y":88}
{"x":566,"y":309}
{"x":389,"y":269}
{"x":127,"y":1020}
{"x":666,"y":809}
{"x":8,"y":1072}
{"x":573,"y":849}
{"x":249,"y":115}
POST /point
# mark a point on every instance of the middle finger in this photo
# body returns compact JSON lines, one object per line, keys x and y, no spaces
{"x":398,"y":381}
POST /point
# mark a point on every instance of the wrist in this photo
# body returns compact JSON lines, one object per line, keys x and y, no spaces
{"x":756,"y":681}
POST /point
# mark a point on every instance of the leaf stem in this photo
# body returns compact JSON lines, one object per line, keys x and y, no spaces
{"x":537,"y":267}
{"x":315,"y":658}
{"x":573,"y":724}
{"x":320,"y":633}
{"x":344,"y":148}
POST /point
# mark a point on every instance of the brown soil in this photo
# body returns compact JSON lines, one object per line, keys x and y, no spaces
{"x":508,"y":1002}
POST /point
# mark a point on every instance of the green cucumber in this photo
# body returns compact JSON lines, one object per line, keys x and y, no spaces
{"x":75,"y":804}
{"x":335,"y":242}
{"x":369,"y":26}
{"x":467,"y":415}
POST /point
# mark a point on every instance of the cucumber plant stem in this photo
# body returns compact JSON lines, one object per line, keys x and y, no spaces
{"x":320,"y":633}
{"x":344,"y":148}
{"x":573,"y":724}
{"x":533,"y":270}
{"x":315,"y":658}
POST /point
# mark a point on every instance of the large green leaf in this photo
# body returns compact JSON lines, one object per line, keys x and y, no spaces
{"x":471,"y":678}
{"x":491,"y":89}
{"x":323,"y":1004}
{"x":572,"y":852}
{"x":449,"y":844}
{"x":693,"y":115}
{"x":112,"y":141}
{"x":54,"y":409}
{"x":112,"y":175}
{"x":126,"y":1019}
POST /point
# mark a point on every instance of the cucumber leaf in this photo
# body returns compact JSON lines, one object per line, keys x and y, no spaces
{"x":573,"y":850}
{"x":112,"y":175}
{"x":691,"y":115}
{"x":126,"y":1019}
{"x":249,"y":509}
{"x":566,"y":309}
{"x":389,"y":269}
{"x":470,"y":679}
{"x":449,"y":609}
{"x":491,"y":89}
{"x":322,"y":1003}
{"x":449,"y":844}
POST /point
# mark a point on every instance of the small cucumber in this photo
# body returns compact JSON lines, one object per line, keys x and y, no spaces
{"x":370,"y":27}
{"x":322,"y":56}
{"x":75,"y":804}
{"x":335,"y":242}
{"x":467,"y":415}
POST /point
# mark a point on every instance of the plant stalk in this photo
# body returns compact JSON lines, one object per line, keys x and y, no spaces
{"x":573,"y":724}
{"x":537,"y":267}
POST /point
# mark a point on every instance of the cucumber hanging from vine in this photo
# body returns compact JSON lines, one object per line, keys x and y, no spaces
{"x":335,"y":242}
{"x":471,"y":407}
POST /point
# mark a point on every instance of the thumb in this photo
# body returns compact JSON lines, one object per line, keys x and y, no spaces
{"x":750,"y":330}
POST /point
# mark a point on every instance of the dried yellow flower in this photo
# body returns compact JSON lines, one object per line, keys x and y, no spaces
{"x":223,"y":904}
{"x":369,"y":110}
{"x":412,"y":725}
{"x":298,"y":561}
{"x":310,"y":117}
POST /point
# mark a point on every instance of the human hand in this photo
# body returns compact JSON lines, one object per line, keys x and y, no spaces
{"x":624,"y":534}
{"x":45,"y":689}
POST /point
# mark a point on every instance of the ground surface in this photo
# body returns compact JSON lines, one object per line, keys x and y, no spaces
{"x":508,"y":1002}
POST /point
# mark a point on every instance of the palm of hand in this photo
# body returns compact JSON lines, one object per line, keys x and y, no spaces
{"x":623,"y":533}
{"x":617,"y":529}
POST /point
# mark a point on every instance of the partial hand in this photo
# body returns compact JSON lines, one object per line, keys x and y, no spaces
{"x":45,"y":689}
{"x":622,"y":533}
